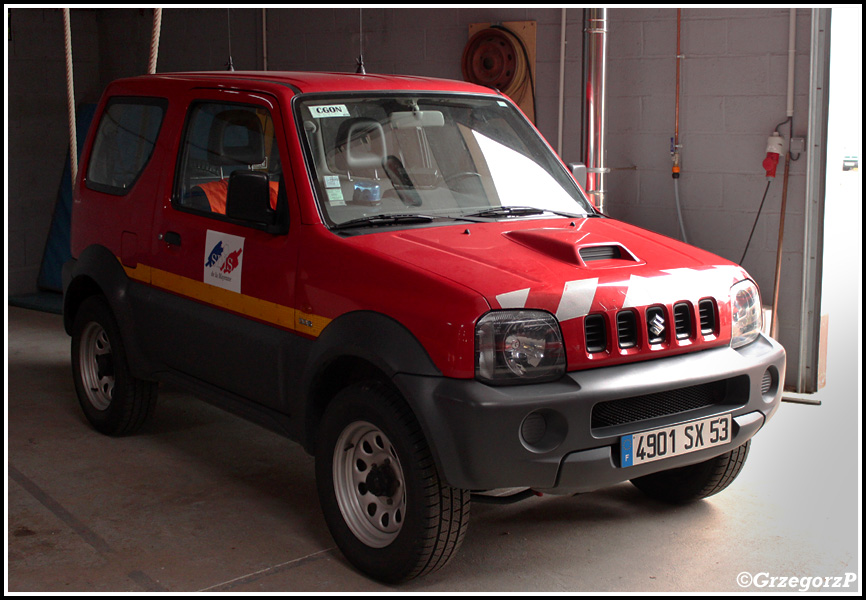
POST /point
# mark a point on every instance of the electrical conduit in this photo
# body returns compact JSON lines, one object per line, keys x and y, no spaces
{"x":792,"y":39}
{"x":675,"y":147}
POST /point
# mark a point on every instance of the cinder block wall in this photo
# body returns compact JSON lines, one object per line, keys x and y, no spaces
{"x":733,"y":85}
{"x":113,"y":43}
{"x":37,"y":127}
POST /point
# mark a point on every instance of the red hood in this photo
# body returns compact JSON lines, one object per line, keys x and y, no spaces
{"x":531,"y":263}
{"x":549,"y":265}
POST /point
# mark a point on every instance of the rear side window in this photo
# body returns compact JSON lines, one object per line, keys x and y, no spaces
{"x":124,"y":143}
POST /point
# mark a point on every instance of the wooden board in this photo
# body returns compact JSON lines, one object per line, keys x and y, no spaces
{"x":822,"y":351}
{"x":526,"y":32}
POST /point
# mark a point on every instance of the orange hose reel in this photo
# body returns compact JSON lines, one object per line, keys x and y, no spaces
{"x":491,"y":59}
{"x":495,"y":58}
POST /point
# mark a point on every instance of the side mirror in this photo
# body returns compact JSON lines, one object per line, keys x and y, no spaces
{"x":249,"y":198}
{"x":579,"y":172}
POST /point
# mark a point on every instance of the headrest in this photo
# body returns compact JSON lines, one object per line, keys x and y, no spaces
{"x":236,"y":138}
{"x":352,"y":152}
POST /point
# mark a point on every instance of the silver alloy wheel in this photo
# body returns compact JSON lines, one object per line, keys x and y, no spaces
{"x":369,"y":484}
{"x":96,"y":366}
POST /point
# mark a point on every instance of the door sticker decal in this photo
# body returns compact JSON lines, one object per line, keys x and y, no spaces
{"x":223,"y":260}
{"x":215,"y":253}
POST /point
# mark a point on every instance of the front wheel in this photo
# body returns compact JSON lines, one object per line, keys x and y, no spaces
{"x":113,"y":400}
{"x":386,"y":506}
{"x":695,"y":482}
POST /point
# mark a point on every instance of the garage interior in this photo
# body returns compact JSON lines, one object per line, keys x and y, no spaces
{"x":201,"y":501}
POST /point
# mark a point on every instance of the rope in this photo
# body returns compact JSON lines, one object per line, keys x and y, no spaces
{"x":70,"y":97}
{"x":154,"y":40}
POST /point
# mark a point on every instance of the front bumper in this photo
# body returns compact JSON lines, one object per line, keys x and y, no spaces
{"x":478,"y":433}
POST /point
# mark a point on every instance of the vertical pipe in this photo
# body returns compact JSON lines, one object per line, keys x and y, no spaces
{"x":561,"y":83}
{"x":264,"y":39}
{"x":229,"y":65}
{"x":792,"y":39}
{"x":70,"y":97}
{"x":679,"y":56}
{"x":584,"y":137}
{"x":595,"y":32}
{"x":154,"y":40}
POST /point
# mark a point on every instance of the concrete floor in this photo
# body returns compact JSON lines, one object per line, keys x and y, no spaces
{"x":202,"y":501}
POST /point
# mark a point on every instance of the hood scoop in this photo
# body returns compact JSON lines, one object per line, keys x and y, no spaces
{"x":591,"y":253}
{"x":574,"y":247}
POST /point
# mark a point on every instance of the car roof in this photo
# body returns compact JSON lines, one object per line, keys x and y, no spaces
{"x":313,"y":82}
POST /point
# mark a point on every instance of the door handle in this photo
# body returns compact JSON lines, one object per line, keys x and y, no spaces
{"x":170,"y":237}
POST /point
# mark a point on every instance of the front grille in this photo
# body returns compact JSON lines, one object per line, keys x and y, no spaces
{"x":626,"y":329}
{"x":600,"y":253}
{"x":707,"y":312}
{"x":659,"y":324}
{"x":655,"y":324}
{"x":682,"y":320}
{"x":596,"y":336}
{"x":650,"y":406}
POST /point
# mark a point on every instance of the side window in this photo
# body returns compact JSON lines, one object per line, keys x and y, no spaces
{"x":124,"y":143}
{"x":220,"y":139}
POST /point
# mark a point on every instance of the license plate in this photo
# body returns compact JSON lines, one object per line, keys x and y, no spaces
{"x":648,"y":446}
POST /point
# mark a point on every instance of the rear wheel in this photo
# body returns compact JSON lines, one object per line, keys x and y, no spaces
{"x":115,"y":402}
{"x":386,"y":507}
{"x":695,"y":482}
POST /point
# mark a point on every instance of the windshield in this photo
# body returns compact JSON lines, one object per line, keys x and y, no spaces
{"x":383,"y":159}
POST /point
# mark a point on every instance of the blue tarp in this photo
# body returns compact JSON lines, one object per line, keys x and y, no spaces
{"x":57,"y":250}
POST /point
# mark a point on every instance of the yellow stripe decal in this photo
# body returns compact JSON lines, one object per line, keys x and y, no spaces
{"x":140,"y":272}
{"x":256,"y":308}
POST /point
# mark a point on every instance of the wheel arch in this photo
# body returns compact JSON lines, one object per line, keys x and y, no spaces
{"x":357,"y":346}
{"x":79,"y":289}
{"x":97,"y":271}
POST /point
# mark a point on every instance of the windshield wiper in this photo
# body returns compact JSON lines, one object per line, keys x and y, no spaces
{"x":507,"y":211}
{"x":399,"y":219}
{"x":520,"y":211}
{"x":374,"y":220}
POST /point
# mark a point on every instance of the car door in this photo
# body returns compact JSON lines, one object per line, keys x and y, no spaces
{"x":226,"y":318}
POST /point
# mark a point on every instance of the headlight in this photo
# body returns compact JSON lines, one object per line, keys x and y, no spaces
{"x":746,"y":317}
{"x":518,"y":346}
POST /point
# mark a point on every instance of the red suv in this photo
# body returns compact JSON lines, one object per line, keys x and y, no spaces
{"x":401,"y":275}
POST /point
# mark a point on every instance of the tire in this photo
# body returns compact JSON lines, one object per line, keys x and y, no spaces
{"x":114,"y":402}
{"x":383,"y":500}
{"x":695,"y":482}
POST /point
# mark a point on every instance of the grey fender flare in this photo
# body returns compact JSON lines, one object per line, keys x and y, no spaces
{"x":98,"y":271}
{"x":371,"y":337}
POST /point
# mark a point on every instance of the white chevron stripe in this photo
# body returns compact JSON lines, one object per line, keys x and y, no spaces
{"x":576,"y":299}
{"x":515,"y":299}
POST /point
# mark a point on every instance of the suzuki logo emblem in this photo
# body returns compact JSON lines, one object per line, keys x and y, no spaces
{"x":657,"y":325}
